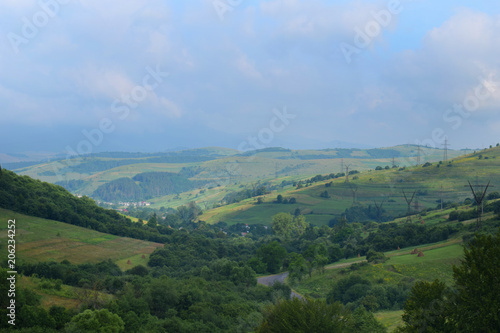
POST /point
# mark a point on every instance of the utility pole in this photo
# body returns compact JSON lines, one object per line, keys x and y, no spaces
{"x":445,"y":153}
{"x":479,"y":197}
{"x":341,"y":165}
{"x":408,"y":202}
{"x":393,"y":162}
{"x":276,"y":171}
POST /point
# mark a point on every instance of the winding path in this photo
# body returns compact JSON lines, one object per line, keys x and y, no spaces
{"x":269,"y":280}
{"x":272,"y":279}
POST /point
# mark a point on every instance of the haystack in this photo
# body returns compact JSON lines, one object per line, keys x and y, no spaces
{"x":414,"y":251}
{"x":420,"y":254}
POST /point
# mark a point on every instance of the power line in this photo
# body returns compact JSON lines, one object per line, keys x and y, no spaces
{"x":445,"y":153}
{"x":479,"y":197}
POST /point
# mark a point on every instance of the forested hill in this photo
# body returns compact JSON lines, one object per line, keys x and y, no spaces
{"x":36,"y":198}
{"x":145,"y":186}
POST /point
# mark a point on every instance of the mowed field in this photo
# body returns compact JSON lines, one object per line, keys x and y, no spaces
{"x":39,"y":239}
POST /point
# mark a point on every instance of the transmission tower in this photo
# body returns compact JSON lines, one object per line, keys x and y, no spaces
{"x":347,"y":166}
{"x":341,"y":165}
{"x":418,"y":155}
{"x":445,"y":153}
{"x":479,"y":197}
{"x":379,"y":209}
{"x":408,"y":202}
{"x":354,"y":189}
{"x":416,"y":205}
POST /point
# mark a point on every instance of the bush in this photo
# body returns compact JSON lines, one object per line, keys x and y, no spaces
{"x":306,"y":316}
{"x":376,"y":257}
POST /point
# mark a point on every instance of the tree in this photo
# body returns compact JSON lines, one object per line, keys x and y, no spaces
{"x":478,"y":286}
{"x":299,"y":225}
{"x":365,"y":322}
{"x":152,"y":222}
{"x":297,"y":211}
{"x":306,"y":316}
{"x":297,"y":267}
{"x":320,"y":261}
{"x":61,"y":316}
{"x":374,"y":256}
{"x":282,"y":224}
{"x":425,"y":308}
{"x":96,"y":321}
{"x":272,"y":255}
{"x":279,"y":198}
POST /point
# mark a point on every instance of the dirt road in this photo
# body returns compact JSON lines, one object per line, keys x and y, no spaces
{"x":271,"y":279}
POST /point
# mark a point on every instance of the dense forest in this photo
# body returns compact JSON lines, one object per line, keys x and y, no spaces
{"x":145,"y":186}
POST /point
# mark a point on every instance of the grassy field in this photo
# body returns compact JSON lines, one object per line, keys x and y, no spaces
{"x":390,"y":319}
{"x":68,"y":296}
{"x":436,"y":263}
{"x":402,"y":266}
{"x":39,"y":239}
{"x":431,"y":183}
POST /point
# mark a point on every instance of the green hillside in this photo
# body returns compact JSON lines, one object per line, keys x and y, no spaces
{"x":208,"y":168}
{"x":40,"y":240}
{"x":35,"y":198}
{"x":365,"y":191}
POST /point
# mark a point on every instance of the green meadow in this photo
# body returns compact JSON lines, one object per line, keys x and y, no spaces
{"x":39,"y":240}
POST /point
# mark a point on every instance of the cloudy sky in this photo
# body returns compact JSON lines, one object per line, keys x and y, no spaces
{"x":153,"y":75}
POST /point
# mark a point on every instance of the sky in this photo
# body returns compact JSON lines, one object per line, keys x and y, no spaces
{"x":81,"y":76}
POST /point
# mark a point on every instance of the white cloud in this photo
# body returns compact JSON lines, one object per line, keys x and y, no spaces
{"x":246,"y":67}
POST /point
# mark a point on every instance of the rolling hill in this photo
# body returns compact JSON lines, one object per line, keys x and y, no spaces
{"x":219,"y":169}
{"x":430,"y":182}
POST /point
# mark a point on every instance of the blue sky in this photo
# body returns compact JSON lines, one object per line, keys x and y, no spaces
{"x":424,"y":71}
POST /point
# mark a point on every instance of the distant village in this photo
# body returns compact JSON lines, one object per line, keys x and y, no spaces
{"x":122,"y":204}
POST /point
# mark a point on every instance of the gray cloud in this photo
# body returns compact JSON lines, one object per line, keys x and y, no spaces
{"x":227,"y":76}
